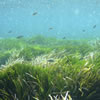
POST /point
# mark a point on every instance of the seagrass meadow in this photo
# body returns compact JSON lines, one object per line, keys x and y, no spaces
{"x":44,"y":68}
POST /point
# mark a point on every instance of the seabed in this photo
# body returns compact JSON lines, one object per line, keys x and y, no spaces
{"x":41,"y":68}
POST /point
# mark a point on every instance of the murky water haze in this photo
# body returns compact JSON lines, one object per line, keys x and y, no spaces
{"x":56,"y":18}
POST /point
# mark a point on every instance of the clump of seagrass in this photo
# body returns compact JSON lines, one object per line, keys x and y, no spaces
{"x":48,"y":59}
{"x":14,"y":58}
{"x":61,"y":97}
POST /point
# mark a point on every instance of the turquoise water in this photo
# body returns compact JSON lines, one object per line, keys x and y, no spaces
{"x":56,"y":18}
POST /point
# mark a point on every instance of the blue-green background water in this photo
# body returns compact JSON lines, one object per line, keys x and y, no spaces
{"x":67,"y":18}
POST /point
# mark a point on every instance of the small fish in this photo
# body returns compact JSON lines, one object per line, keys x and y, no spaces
{"x":64,"y":38}
{"x":83,"y":30}
{"x":33,"y":41}
{"x":50,"y":60}
{"x":9,"y":31}
{"x":19,"y":37}
{"x":94,"y":26}
{"x":50,"y":28}
{"x":35,"y":13}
